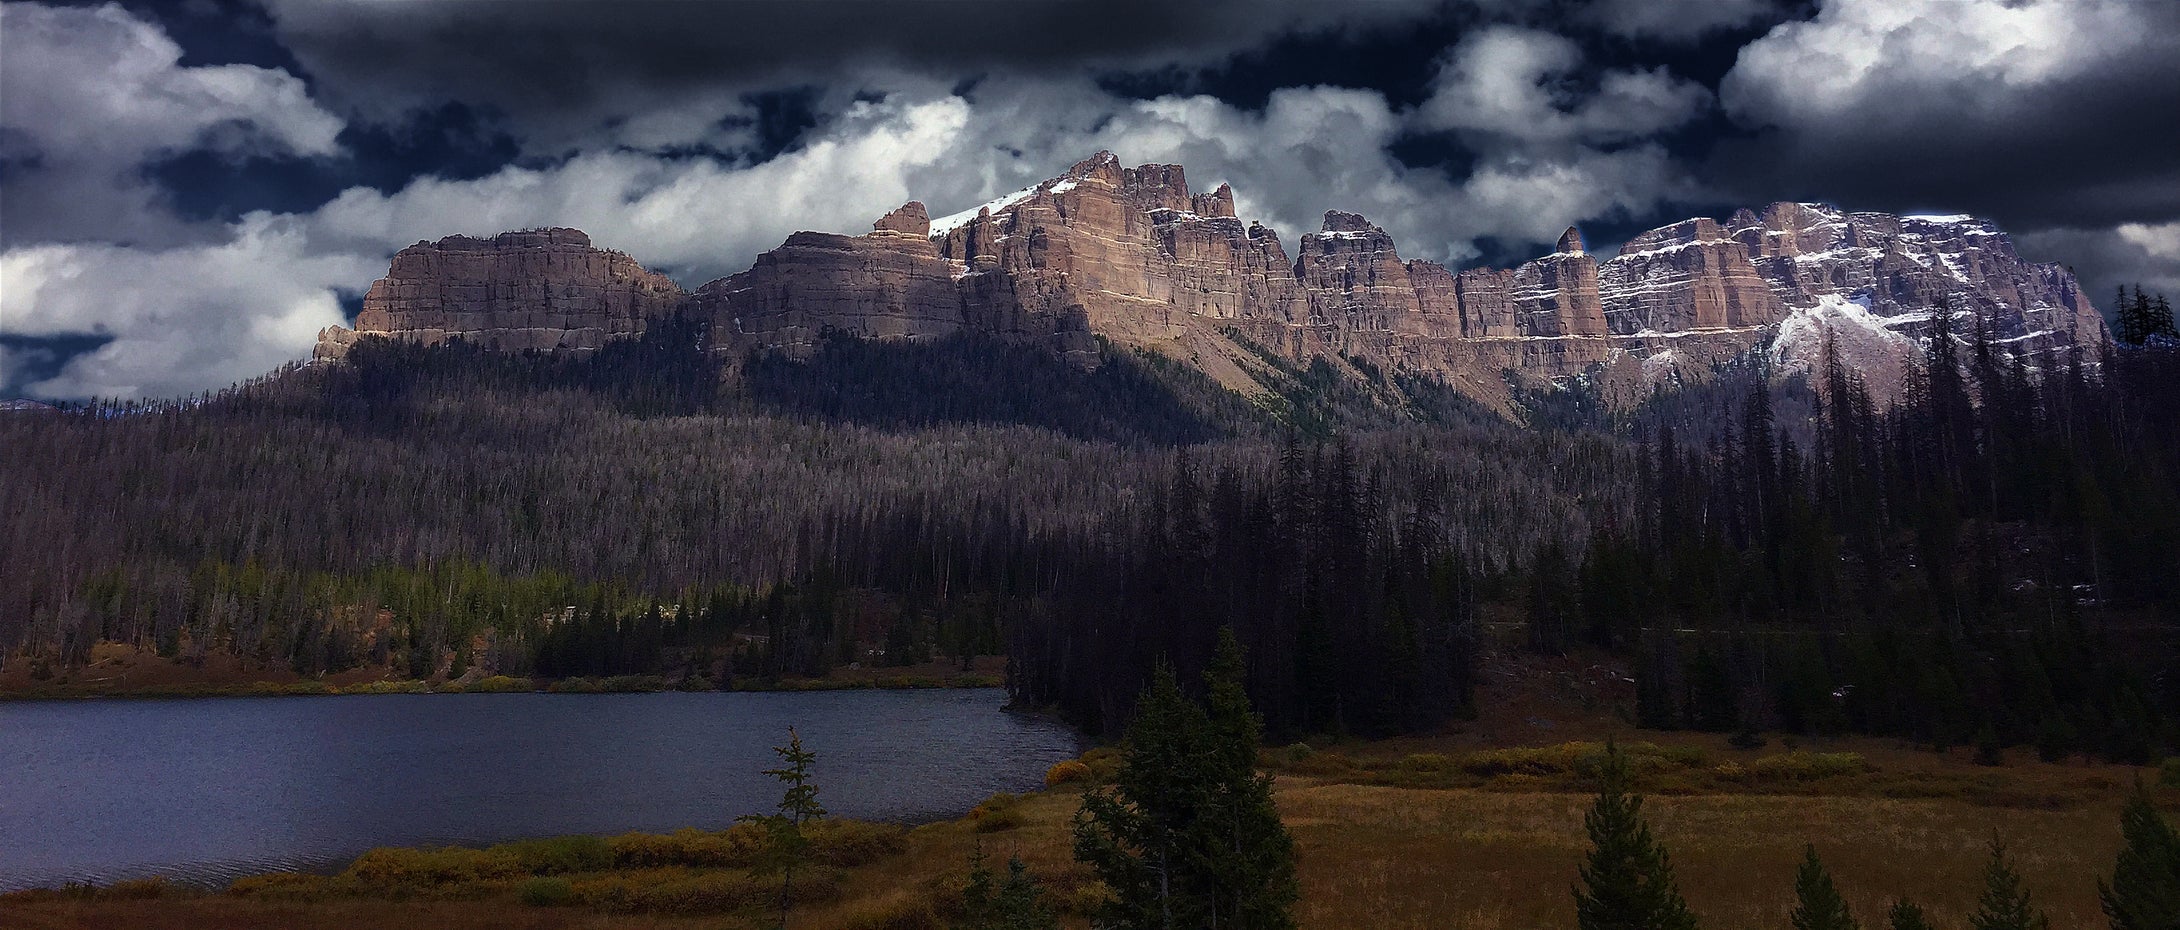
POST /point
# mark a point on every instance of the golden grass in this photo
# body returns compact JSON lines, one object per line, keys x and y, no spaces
{"x":1498,"y":853}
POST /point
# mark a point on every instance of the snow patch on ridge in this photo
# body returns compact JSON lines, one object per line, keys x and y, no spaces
{"x":1862,"y":339}
{"x":953,"y":221}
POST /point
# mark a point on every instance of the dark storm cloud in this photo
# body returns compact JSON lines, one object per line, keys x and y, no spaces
{"x":564,"y":70}
{"x":201,"y":184}
{"x":2039,"y":114}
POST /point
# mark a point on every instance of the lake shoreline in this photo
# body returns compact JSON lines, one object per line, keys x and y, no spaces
{"x":160,"y":678}
{"x":553,"y":686}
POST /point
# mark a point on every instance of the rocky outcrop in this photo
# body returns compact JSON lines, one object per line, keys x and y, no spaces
{"x":1134,"y":256}
{"x":1687,"y":276}
{"x":889,"y":283}
{"x":1869,"y":283}
{"x":542,"y":289}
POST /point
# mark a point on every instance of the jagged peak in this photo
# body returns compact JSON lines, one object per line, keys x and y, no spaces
{"x":910,"y":218}
{"x":1103,"y":162}
{"x":1570,"y":242}
{"x":1343,"y":221}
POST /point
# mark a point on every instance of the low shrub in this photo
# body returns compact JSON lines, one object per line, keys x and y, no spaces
{"x":290,"y":886}
{"x":737,"y":847}
{"x":1325,"y":765}
{"x":385,"y":687}
{"x":498,"y":684}
{"x":429,"y":869}
{"x":1427,"y":762}
{"x":546,"y":891}
{"x":626,"y":684}
{"x":559,"y":854}
{"x":1104,"y":763}
{"x":1808,"y":766}
{"x":1540,"y":760}
{"x":999,"y":820}
{"x":1066,"y":773}
{"x":2169,"y":773}
{"x":850,"y":843}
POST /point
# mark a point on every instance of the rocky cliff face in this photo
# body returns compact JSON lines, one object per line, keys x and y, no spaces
{"x":1133,"y":255}
{"x":537,"y":289}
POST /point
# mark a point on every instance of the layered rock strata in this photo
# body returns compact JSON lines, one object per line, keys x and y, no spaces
{"x":1134,"y":256}
{"x":544,"y":289}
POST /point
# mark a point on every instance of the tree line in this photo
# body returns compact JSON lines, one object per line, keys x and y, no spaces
{"x":1989,"y":559}
{"x":1986,"y":560}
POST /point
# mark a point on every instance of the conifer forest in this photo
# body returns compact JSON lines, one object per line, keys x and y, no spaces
{"x":1987,"y":560}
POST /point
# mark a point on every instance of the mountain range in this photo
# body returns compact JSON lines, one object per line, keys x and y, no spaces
{"x":1134,"y":258}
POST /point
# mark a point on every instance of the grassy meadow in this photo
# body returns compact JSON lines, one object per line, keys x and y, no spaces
{"x":1397,"y":834}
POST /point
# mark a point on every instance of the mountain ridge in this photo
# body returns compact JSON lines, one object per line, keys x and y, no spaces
{"x":1135,"y":257}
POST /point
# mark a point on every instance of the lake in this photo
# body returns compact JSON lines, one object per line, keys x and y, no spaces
{"x":208,"y":789}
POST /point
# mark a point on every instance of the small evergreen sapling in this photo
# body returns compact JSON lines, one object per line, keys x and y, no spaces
{"x":1907,"y":915}
{"x":1627,"y":883}
{"x":2005,"y":904}
{"x":2145,"y":890}
{"x":1818,"y":905}
{"x":786,"y":847}
{"x":1014,"y":904}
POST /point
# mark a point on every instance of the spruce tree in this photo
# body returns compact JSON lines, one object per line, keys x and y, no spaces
{"x":1627,"y":882}
{"x":1907,"y":915}
{"x":1189,"y":836}
{"x":1019,"y":905}
{"x":1136,"y":835}
{"x":2145,"y":890}
{"x":786,"y":847}
{"x":1014,"y":904}
{"x":1818,"y":905}
{"x":1249,"y":858}
{"x":2005,"y":905}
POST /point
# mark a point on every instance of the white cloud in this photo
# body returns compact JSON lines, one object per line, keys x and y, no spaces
{"x":1864,"y":62}
{"x":1509,"y":83}
{"x":93,"y":93}
{"x":573,"y":75}
{"x":201,"y":316}
{"x":2159,"y":241}
{"x":183,"y":319}
{"x":696,"y":216}
{"x":190,"y":315}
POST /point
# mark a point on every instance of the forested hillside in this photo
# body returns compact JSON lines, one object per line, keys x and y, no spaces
{"x":1991,"y":559}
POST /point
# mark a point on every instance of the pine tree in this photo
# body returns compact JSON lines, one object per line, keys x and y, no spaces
{"x":2005,"y":905}
{"x":786,"y":847}
{"x":2145,"y":889}
{"x":1189,"y":836}
{"x":1907,"y":915}
{"x":1019,"y":905}
{"x":1627,"y":882}
{"x":1135,"y":836}
{"x":1014,"y":904}
{"x":977,"y":895}
{"x":1249,"y":856}
{"x":1818,"y":905}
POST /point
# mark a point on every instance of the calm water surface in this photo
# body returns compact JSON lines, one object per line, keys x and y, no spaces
{"x":205,"y":790}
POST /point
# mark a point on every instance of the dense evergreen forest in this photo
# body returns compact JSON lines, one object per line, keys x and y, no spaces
{"x":1990,"y":559}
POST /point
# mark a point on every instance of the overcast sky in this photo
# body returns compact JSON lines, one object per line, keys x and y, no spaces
{"x":189,"y":190}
